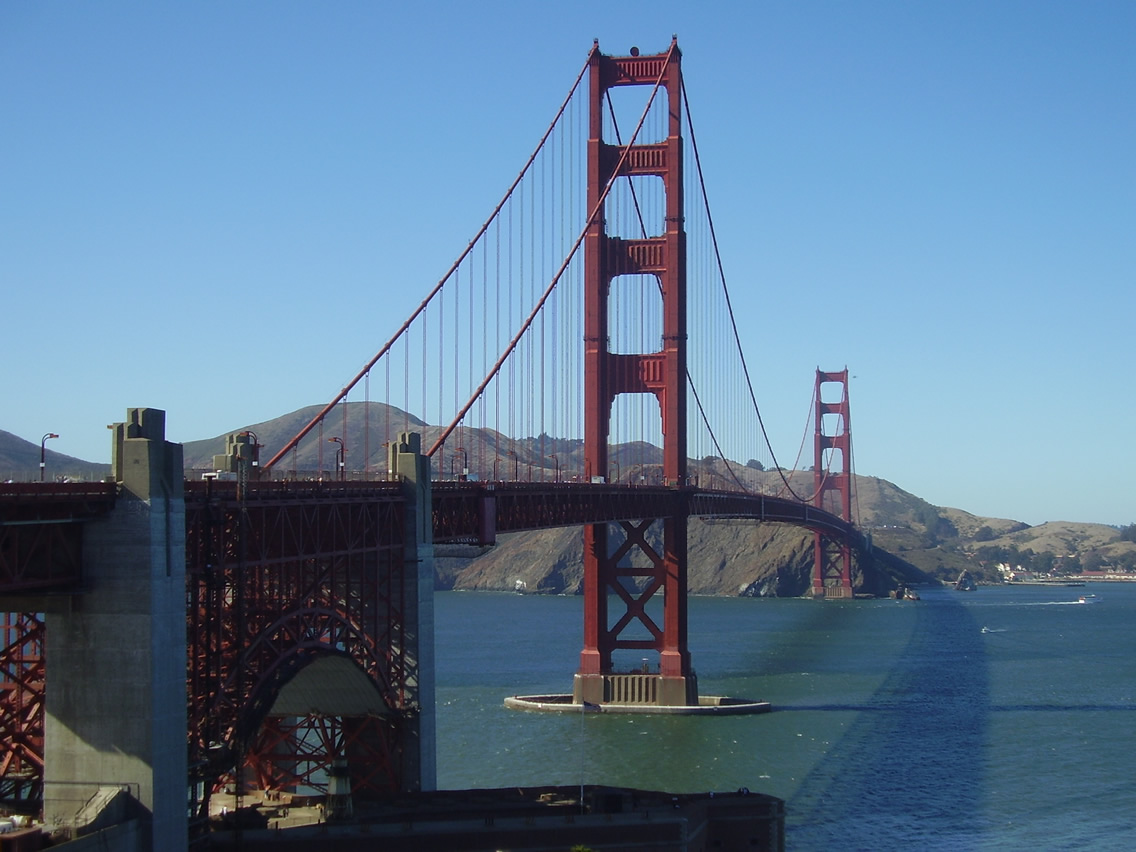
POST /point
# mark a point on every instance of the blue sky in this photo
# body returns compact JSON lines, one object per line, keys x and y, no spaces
{"x":223,"y":210}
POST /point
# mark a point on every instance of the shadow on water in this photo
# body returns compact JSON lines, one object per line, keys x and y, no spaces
{"x":910,"y":764}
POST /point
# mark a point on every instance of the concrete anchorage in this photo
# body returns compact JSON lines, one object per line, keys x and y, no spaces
{"x":413,"y":469}
{"x":116,"y":712}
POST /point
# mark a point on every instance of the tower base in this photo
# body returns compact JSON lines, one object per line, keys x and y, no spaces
{"x":635,"y":688}
{"x":708,"y":705}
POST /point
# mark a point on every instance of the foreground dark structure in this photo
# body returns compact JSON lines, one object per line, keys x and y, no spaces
{"x":531,"y":819}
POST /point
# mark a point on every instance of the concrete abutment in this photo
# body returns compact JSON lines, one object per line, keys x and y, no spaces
{"x":116,"y":708}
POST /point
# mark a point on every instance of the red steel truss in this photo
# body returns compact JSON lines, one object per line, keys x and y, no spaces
{"x":41,"y":532}
{"x":832,"y":562}
{"x":41,"y":544}
{"x":661,"y":373}
{"x":293,"y":752}
{"x":291,"y":573}
{"x":21,"y":709}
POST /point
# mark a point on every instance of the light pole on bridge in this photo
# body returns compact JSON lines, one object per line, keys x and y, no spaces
{"x":43,"y":452}
{"x":340,"y":457}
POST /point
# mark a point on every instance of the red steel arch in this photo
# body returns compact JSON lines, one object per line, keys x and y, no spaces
{"x":278,"y":576}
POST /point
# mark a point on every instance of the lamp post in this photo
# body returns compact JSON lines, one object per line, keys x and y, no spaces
{"x":465,"y":462}
{"x":516,"y":461}
{"x":43,"y":452}
{"x":340,"y":457}
{"x":557,"y":460}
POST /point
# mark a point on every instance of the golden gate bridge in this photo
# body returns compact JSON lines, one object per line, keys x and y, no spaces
{"x":582,"y":365}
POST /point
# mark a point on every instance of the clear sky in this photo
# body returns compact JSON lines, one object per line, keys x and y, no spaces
{"x":223,"y":209}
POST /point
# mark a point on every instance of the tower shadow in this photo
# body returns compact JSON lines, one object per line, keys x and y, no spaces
{"x":910,"y":765}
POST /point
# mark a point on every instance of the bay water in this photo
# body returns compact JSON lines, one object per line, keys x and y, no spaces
{"x":1000,"y":719}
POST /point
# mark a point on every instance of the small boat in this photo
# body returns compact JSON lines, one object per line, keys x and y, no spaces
{"x":1087,"y":599}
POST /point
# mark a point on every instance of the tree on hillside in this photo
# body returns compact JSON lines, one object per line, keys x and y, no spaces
{"x":1093,"y":561}
{"x":984,"y":534}
{"x":1128,"y":533}
{"x":754,"y":464}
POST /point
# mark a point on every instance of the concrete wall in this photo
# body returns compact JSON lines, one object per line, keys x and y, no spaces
{"x":413,"y":468}
{"x":116,"y":688}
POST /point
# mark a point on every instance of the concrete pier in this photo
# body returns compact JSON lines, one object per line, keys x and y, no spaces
{"x":407,"y":462}
{"x":116,"y":713}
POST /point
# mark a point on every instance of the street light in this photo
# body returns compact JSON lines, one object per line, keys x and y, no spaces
{"x":465,"y":462}
{"x":516,"y":473}
{"x":555,"y":459}
{"x":43,"y":452}
{"x":340,"y":456}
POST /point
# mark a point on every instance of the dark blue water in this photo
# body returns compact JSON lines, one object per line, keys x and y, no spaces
{"x":896,"y":724}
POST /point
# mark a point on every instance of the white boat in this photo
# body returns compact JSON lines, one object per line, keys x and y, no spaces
{"x":1088,"y":599}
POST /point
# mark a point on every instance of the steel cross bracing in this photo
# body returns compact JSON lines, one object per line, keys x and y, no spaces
{"x":291,"y":573}
{"x":41,"y":541}
{"x":41,"y":532}
{"x":22,"y":679}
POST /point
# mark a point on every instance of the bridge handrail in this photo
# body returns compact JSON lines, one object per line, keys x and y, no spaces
{"x":57,"y":490}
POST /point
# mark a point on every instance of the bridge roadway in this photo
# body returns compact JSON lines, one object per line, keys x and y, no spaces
{"x":475,"y":511}
{"x":40,"y":523}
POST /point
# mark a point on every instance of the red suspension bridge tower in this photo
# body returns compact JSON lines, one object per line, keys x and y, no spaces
{"x":832,"y":565}
{"x":607,"y":573}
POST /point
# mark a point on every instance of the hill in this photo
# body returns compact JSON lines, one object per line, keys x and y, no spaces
{"x":19,"y":462}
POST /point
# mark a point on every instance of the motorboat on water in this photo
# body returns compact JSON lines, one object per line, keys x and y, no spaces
{"x":1088,"y":599}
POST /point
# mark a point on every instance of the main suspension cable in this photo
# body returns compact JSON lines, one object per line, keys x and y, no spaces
{"x":596,"y":211}
{"x":429,"y":298}
{"x":726,"y":292}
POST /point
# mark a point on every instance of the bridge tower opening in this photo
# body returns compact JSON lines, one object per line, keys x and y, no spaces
{"x":608,"y":581}
{"x":832,"y":560}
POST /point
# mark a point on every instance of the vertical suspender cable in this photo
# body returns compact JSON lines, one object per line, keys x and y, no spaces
{"x":477,"y":237}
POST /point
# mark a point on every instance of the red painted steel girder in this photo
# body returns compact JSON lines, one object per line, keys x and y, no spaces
{"x":291,"y":573}
{"x":460,"y":508}
{"x":41,"y":532}
{"x":22,"y":678}
{"x":290,"y":753}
